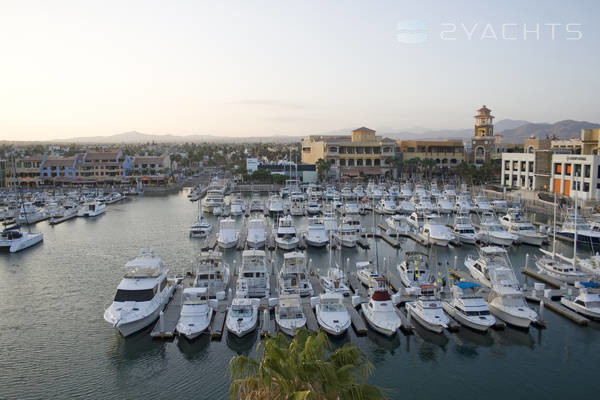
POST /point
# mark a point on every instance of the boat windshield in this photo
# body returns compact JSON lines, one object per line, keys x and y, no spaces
{"x":134,"y":295}
{"x":593,"y":304}
{"x":333,"y":307}
{"x":241,"y":311}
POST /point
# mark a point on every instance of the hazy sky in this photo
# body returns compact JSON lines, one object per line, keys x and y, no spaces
{"x":245,"y":68}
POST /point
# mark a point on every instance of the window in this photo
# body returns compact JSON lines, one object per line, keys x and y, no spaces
{"x":359,"y":163}
{"x":558,"y":169}
{"x":586,"y":187}
{"x":568,"y":172}
{"x":377,"y":162}
{"x":368,"y":162}
{"x":507,"y":165}
{"x":530,"y":166}
{"x":342,"y":163}
{"x":586,"y":170}
{"x":523,"y":166}
{"x":577,"y":169}
{"x":134,"y":295}
{"x":411,"y":150}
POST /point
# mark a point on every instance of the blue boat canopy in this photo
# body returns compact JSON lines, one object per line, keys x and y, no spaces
{"x":589,"y":284}
{"x":467,"y":285}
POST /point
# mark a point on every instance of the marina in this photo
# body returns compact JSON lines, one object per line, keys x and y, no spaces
{"x":177,"y":253}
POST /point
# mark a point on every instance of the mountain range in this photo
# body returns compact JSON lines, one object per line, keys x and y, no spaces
{"x":513,"y":131}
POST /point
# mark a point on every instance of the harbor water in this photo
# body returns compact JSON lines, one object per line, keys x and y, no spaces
{"x":55,"y":343}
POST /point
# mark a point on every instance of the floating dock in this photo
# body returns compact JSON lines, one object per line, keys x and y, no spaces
{"x":542,"y":277}
{"x":311,"y":318}
{"x":358,"y":323}
{"x":56,"y":221}
{"x":167,"y":322}
{"x":217,"y":325}
{"x":558,"y":308}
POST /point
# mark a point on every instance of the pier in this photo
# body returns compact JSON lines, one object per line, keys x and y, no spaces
{"x":167,"y":322}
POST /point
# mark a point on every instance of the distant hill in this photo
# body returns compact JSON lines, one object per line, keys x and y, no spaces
{"x":562,"y":129}
{"x":138,"y":137}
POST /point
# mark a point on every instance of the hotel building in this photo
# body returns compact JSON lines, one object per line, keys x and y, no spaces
{"x":446,"y":153}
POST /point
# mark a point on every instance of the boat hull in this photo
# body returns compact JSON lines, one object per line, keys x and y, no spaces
{"x":515,"y":320}
{"x":436,"y":328}
{"x":463,"y":320}
{"x":579,"y":309}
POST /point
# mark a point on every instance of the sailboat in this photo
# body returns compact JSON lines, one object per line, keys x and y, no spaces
{"x":201,"y":227}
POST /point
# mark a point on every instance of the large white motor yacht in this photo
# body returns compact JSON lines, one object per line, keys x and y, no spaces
{"x":212,"y":272}
{"x":293,"y":276}
{"x":30,"y":214}
{"x":253,"y":279}
{"x":201,"y":228}
{"x":257,"y":235}
{"x":514,"y":222}
{"x":468,"y":307}
{"x":427,"y":310}
{"x":316,"y":236}
{"x":435,"y":232}
{"x":289,"y":314}
{"x":195,"y":314}
{"x":91,"y":208}
{"x":490,"y":257}
{"x":492,"y":232}
{"x":398,"y":224}
{"x":380,"y":311}
{"x":506,"y":300}
{"x":286,"y":237}
{"x":237,"y":205}
{"x":332,"y":314}
{"x":587,"y":302}
{"x":141,"y":295}
{"x":14,"y":239}
{"x":242,"y":316}
{"x":387,"y":205}
{"x":349,"y":231}
{"x":463,"y":229}
{"x":275,"y":205}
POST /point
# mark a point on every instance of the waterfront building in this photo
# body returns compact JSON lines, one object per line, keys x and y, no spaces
{"x":483,"y":142}
{"x":147,"y":169}
{"x":350,"y":155}
{"x":576,"y":175}
{"x":529,"y":170}
{"x":27,"y":172}
{"x":56,"y":170}
{"x":446,"y":153}
{"x":588,"y":143}
{"x":100,"y":167}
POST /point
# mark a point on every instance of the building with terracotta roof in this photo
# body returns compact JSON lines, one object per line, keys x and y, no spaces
{"x":350,"y":155}
{"x":151,"y":169}
{"x":55,"y":170}
{"x":100,"y":167}
{"x":446,"y":153}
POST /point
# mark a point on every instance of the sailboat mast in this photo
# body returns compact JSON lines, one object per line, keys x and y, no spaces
{"x":554,"y":229}
{"x":575,"y":233}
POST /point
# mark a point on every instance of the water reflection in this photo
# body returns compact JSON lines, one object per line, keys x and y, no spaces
{"x":243,"y":345}
{"x":194,"y":350}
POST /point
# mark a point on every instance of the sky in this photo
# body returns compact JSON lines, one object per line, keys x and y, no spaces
{"x":260,"y":68}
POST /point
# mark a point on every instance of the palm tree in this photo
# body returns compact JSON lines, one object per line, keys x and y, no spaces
{"x":323,"y":167}
{"x":302,"y":369}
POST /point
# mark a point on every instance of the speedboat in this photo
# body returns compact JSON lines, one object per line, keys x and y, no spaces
{"x":366,"y":273}
{"x":275,"y":205}
{"x":468,"y":307}
{"x":422,"y":203}
{"x":141,"y":295}
{"x":514,"y":222}
{"x":482,"y":204}
{"x":212,"y":272}
{"x":91,"y":208}
{"x":490,"y":257}
{"x":253,"y":278}
{"x":14,"y":239}
{"x":380,"y":311}
{"x":435,"y":232}
{"x":285,"y":237}
{"x":398,"y":224}
{"x":463,"y":229}
{"x":332,"y":314}
{"x":257,"y":235}
{"x":289,"y":314}
{"x":587,"y":302}
{"x":427,"y":310}
{"x":242,"y":316}
{"x":506,"y":300}
{"x":335,"y":281}
{"x":492,"y":232}
{"x":316,"y":236}
{"x":414,"y":270}
{"x":228,"y":235}
{"x":195,"y":314}
{"x":293,"y":276}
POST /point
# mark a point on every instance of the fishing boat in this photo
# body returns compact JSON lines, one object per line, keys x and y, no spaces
{"x":275,"y":205}
{"x":285,"y":236}
{"x":514,"y":222}
{"x":468,"y":307}
{"x":482,"y":205}
{"x":212,"y":272}
{"x":256,"y":203}
{"x":316,"y":236}
{"x":414,"y":270}
{"x":506,"y":300}
{"x":293,"y":276}
{"x":195,"y":314}
{"x":332,"y":315}
{"x":228,"y":235}
{"x":141,"y":294}
{"x":489,"y":258}
{"x":387,"y":205}
{"x":256,"y":236}
{"x":380,"y":311}
{"x":289,"y":314}
{"x":253,"y":278}
{"x":398,"y":224}
{"x":242,"y":316}
{"x":427,"y":310}
{"x":499,"y":206}
{"x":492,"y":232}
{"x":587,"y":301}
{"x":435,"y":232}
{"x":349,"y":231}
{"x":236,"y":207}
{"x":463,"y":229}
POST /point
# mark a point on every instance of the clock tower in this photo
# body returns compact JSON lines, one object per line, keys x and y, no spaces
{"x":483,"y":140}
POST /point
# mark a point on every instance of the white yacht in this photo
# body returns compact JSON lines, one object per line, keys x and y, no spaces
{"x":289,"y":314}
{"x":492,"y":232}
{"x":332,"y":315}
{"x":398,"y":224}
{"x":444,"y":205}
{"x":591,"y":266}
{"x":214,"y":198}
{"x":556,"y":268}
{"x":335,"y":281}
{"x":387,"y":205}
{"x":242,"y":316}
{"x":405,"y":207}
{"x":380,"y":311}
{"x":514,"y":222}
{"x":275,"y":205}
{"x":30,"y":214}
{"x":346,"y":193}
{"x":506,"y":300}
{"x":201,"y":229}
{"x":405,"y":191}
{"x":482,"y":205}
{"x":422,"y":203}
{"x":463,"y":229}
{"x":349,"y":231}
{"x":313,"y":207}
{"x":587,"y":302}
{"x":330,"y":222}
{"x":576,"y":225}
{"x":14,"y":239}
{"x":468,"y":307}
{"x":228,"y":235}
{"x":499,"y":206}
{"x":296,"y":205}
{"x":91,"y":208}
{"x":256,"y":203}
{"x":293,"y":276}
{"x":366,"y":273}
{"x":237,"y":205}
{"x":416,"y":220}
{"x":414,"y":270}
{"x":316,"y":236}
{"x":490,"y":257}
{"x":285,"y":236}
{"x":463,"y":204}
{"x":256,"y":236}
{"x":195,"y":314}
{"x":435,"y":232}
{"x":427,"y":310}
{"x":350,"y":208}
{"x":212,"y":272}
{"x":253,"y":278}
{"x":141,"y":295}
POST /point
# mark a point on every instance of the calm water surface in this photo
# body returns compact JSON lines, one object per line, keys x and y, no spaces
{"x":55,"y":343}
